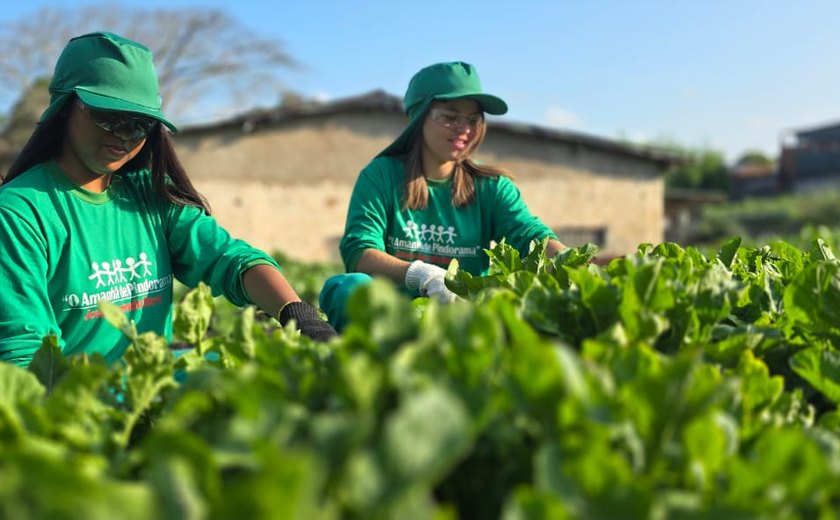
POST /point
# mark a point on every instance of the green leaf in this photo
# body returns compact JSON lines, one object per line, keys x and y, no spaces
{"x":785,"y":461}
{"x":595,"y":478}
{"x":728,"y":251}
{"x":504,"y":259}
{"x":536,"y":261}
{"x":148,"y":374}
{"x":552,"y":312}
{"x":468,"y":286}
{"x":572,"y":257}
{"x":709,"y":441}
{"x":277,"y":484}
{"x":175,"y":484}
{"x":812,"y":299}
{"x":646,"y":293}
{"x":669,"y":250}
{"x":364,"y":380}
{"x":727,"y":342}
{"x":117,"y":318}
{"x":380,"y":317}
{"x":364,"y":482}
{"x":242,"y":343}
{"x":598,"y":297}
{"x":49,"y":364}
{"x":426,"y":436}
{"x":43,"y":484}
{"x":526,"y":503}
{"x":821,"y":368}
{"x":821,"y":251}
{"x":17,"y":388}
{"x":759,"y":388}
{"x":538,"y":380}
{"x":192,"y":316}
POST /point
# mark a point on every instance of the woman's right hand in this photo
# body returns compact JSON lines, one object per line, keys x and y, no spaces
{"x":429,"y":280}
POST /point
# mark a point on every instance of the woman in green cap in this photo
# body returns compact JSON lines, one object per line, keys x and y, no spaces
{"x":97,"y":206}
{"x":425,"y":200}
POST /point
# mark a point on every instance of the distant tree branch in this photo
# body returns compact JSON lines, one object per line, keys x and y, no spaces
{"x":203,"y":57}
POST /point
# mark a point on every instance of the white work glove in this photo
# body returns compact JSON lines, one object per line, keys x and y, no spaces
{"x":429,"y":280}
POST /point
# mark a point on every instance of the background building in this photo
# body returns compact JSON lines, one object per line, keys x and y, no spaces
{"x":282,"y":179}
{"x":812,"y":161}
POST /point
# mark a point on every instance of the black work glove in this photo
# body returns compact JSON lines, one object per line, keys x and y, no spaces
{"x":308,"y":321}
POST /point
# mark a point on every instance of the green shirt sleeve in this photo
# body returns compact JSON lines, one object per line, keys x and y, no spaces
{"x":375,"y":197}
{"x":511,"y":219}
{"x":26,"y":313}
{"x":203,"y":251}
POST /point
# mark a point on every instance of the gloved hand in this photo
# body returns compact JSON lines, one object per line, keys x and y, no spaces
{"x":429,"y":280}
{"x":307,"y":321}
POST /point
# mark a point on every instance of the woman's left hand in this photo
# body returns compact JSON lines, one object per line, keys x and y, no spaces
{"x":307,"y":320}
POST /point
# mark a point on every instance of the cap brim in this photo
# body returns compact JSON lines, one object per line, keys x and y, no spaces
{"x":108,"y":103}
{"x":489,"y":103}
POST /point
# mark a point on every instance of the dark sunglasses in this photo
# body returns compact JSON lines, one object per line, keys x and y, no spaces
{"x":121,"y":124}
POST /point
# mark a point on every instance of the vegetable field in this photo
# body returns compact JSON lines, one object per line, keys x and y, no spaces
{"x":664,"y":385}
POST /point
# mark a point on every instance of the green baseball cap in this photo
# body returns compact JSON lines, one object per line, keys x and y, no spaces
{"x":444,"y":81}
{"x":107,"y":72}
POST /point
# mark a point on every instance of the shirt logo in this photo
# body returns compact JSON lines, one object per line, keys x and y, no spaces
{"x":110,"y":273}
{"x":431,"y":233}
{"x":430,"y":243}
{"x":131,"y":280}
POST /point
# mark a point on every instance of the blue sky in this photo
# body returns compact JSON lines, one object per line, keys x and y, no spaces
{"x":732,"y":75}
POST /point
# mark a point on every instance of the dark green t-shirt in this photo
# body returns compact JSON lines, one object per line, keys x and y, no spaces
{"x":65,"y":248}
{"x":439,"y":232}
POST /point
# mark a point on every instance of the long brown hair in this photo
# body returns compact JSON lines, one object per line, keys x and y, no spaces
{"x":158,"y":155}
{"x":465,"y":170}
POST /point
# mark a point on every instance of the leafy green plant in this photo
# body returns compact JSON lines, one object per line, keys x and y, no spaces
{"x":666,"y":384}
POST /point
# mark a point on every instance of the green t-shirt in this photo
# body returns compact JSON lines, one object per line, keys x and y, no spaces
{"x":65,"y":248}
{"x":439,"y":232}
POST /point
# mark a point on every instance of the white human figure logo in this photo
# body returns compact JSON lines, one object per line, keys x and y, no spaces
{"x":97,"y":274}
{"x":437,"y":233}
{"x":145,"y":263}
{"x":106,"y":269}
{"x":410,"y":229}
{"x":132,"y":267}
{"x":450,"y":234}
{"x":425,"y":232}
{"x":110,"y":273}
{"x":118,"y":271}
